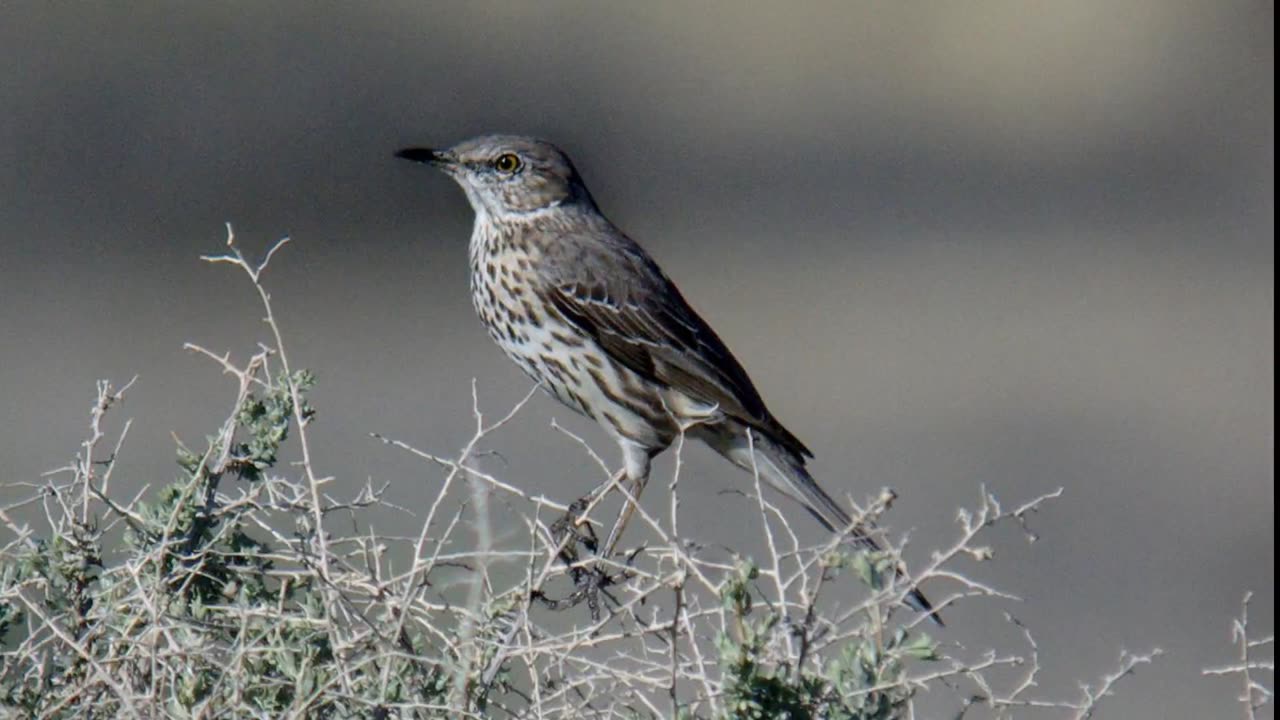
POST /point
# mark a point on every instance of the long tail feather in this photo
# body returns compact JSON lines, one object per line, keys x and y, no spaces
{"x":787,"y":474}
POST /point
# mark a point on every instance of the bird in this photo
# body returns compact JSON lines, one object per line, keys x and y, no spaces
{"x":588,"y":314}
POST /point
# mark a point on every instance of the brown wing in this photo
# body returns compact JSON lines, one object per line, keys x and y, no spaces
{"x":618,"y":295}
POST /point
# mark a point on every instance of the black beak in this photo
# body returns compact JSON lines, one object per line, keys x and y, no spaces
{"x":426,"y":155}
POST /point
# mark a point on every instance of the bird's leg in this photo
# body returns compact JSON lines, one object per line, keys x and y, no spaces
{"x":569,"y":532}
{"x":636,"y":460}
{"x":589,"y":583}
{"x":579,"y":514}
{"x":624,"y":515}
{"x":595,"y":497}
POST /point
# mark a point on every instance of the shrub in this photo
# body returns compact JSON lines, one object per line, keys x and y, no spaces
{"x":234,"y":591}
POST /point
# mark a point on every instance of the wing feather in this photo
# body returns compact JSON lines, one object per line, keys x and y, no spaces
{"x":635,"y":313}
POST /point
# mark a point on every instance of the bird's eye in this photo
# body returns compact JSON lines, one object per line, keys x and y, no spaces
{"x":506,"y":163}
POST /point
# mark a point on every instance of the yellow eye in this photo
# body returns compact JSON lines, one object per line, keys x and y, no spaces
{"x":506,"y":163}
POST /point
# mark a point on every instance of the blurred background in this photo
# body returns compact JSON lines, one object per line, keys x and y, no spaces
{"x":1019,"y":245}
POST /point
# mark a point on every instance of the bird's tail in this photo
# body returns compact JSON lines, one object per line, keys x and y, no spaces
{"x":786,"y":473}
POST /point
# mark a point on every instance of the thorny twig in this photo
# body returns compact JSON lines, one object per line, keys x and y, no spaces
{"x":1254,"y":695}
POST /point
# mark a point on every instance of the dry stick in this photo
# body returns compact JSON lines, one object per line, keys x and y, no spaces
{"x":678,"y":590}
{"x":989,"y":513}
{"x":313,"y":482}
{"x":455,"y":468}
{"x":1247,"y":663}
{"x":103,"y":676}
{"x":1128,"y":662}
{"x":775,"y":570}
{"x":333,"y":604}
{"x":675,"y":648}
{"x":83,"y":474}
{"x":484,"y":538}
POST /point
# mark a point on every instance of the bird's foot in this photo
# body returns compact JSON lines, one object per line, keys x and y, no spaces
{"x":590,"y":576}
{"x":573,"y":530}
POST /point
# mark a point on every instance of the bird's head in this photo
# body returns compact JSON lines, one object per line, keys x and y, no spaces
{"x":507,"y":176}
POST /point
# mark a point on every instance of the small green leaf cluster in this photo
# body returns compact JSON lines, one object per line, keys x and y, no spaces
{"x":862,"y":680}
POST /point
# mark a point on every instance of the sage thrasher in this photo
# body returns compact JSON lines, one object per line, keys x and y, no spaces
{"x":585,"y":311}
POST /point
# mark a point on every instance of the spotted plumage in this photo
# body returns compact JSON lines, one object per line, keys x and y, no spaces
{"x":587,"y":313}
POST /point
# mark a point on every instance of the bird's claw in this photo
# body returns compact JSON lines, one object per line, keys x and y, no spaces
{"x":570,"y":532}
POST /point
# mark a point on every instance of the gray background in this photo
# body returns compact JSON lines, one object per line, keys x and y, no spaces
{"x":1020,"y":244}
